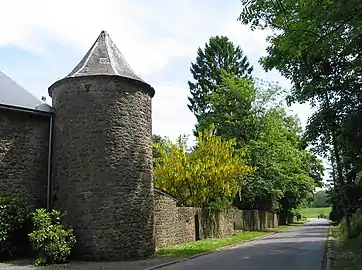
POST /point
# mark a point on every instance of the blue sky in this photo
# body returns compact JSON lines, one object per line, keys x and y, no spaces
{"x":44,"y":40}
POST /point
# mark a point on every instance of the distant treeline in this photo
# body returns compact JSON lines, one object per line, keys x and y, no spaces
{"x":319,"y":200}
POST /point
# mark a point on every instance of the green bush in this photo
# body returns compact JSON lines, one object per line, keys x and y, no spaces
{"x":50,"y":239}
{"x":342,"y":227}
{"x":322,"y":214}
{"x":13,"y":216}
{"x":356,"y":225}
{"x":297,"y":213}
{"x":335,"y":215}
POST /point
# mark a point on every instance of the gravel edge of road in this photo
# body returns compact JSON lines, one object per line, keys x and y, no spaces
{"x":212,"y":251}
{"x":328,"y":253}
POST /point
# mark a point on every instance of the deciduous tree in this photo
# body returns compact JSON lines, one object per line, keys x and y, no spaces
{"x":316,"y":44}
{"x":231,"y":109}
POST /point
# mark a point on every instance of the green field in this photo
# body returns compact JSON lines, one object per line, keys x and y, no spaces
{"x":313,"y":212}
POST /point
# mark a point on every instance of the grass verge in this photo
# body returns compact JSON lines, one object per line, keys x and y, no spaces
{"x":347,"y":254}
{"x":189,"y":249}
{"x":193,"y":248}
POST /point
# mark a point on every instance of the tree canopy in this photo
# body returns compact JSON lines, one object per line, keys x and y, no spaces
{"x":285,"y":174}
{"x":250,"y":151}
{"x":231,"y":109}
{"x":320,"y":200}
{"x":219,"y":54}
{"x":316,"y":44}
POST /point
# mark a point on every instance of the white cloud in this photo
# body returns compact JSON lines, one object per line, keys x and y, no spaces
{"x":252,"y":42}
{"x":170,"y":114}
{"x":132,"y":26}
{"x":149,"y":33}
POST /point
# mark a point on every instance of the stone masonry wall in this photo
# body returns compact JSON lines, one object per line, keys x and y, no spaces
{"x":175,"y":225}
{"x":218,"y":223}
{"x":227,"y":222}
{"x":255,"y":220}
{"x":102,"y":165}
{"x":24,"y":155}
{"x":165,"y":218}
{"x":186,"y":224}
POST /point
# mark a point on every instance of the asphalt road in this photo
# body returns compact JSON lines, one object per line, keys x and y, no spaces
{"x":300,"y":248}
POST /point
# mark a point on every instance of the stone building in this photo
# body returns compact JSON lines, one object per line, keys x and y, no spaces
{"x":90,"y":154}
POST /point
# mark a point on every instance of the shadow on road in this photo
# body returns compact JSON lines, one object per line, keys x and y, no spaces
{"x":316,"y":224}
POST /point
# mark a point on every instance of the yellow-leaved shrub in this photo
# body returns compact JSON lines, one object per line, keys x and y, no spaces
{"x":211,"y":171}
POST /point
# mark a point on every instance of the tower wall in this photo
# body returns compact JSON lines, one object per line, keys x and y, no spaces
{"x":24,"y":155}
{"x":102,"y":165}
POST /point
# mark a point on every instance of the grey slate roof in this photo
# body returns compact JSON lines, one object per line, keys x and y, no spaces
{"x":11,"y":94}
{"x":104,"y":58}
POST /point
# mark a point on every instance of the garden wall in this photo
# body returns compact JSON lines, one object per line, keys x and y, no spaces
{"x":255,"y":220}
{"x":165,"y":215}
{"x":174,"y":225}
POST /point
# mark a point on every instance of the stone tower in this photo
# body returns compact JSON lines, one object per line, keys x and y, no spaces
{"x":102,"y":155}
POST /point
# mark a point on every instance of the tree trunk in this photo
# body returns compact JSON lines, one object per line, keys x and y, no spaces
{"x":290,"y":218}
{"x":282,"y":218}
{"x":347,"y":210}
{"x":342,"y":184}
{"x":339,"y":170}
{"x":348,"y":225}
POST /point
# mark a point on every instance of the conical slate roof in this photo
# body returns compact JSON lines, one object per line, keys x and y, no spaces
{"x":104,"y":58}
{"x":11,"y":94}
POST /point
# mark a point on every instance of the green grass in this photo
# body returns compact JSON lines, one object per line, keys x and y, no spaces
{"x":313,"y":212}
{"x":347,"y":254}
{"x":285,"y":227}
{"x":193,"y":248}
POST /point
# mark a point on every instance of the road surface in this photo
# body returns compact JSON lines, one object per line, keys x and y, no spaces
{"x":300,"y":248}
